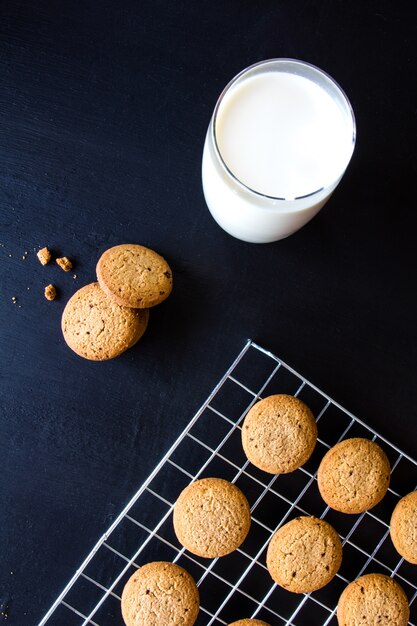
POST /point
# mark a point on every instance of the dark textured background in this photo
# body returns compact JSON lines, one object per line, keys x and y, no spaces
{"x":103,"y":111}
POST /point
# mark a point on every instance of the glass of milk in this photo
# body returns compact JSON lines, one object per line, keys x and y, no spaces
{"x":280,"y":138}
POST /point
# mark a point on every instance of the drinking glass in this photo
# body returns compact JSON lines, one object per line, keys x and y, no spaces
{"x":279,"y":141}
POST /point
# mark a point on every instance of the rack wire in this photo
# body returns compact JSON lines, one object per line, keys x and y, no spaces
{"x":239,"y":585}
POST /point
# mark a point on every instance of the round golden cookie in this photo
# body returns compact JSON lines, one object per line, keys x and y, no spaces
{"x":279,"y":434}
{"x":97,"y":328}
{"x":373,"y":599}
{"x":304,"y":554}
{"x":249,"y":622}
{"x":160,"y":593}
{"x":403,"y":527}
{"x":354,"y":475}
{"x":211,"y":517}
{"x":134,"y":276}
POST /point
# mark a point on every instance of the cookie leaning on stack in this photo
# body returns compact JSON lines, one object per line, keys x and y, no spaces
{"x":104,"y":319}
{"x":134,"y":276}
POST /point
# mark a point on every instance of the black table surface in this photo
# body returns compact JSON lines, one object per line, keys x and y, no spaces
{"x":104,"y":108}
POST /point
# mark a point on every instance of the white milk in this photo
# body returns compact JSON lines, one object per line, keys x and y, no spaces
{"x":276,"y":136}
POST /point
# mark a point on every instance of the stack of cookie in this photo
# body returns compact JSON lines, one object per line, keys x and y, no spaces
{"x":105,"y":318}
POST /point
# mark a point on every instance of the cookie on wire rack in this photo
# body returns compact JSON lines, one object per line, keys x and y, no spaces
{"x":403,"y":527}
{"x":211,"y":517}
{"x":354,"y":475}
{"x":373,"y":599}
{"x":160,"y":593}
{"x":304,"y":554}
{"x":279,"y":434}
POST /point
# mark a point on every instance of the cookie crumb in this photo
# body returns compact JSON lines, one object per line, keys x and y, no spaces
{"x":14,"y":299}
{"x":50,"y":292}
{"x":24,"y":257}
{"x":75,"y":276}
{"x":44,"y":255}
{"x":64,"y":263}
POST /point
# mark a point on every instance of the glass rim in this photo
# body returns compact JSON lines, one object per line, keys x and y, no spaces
{"x":233,"y":81}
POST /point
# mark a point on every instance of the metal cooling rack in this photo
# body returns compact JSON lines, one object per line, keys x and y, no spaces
{"x":239,"y":585}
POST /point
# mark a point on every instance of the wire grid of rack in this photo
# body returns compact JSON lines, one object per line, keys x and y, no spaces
{"x":239,"y":585}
